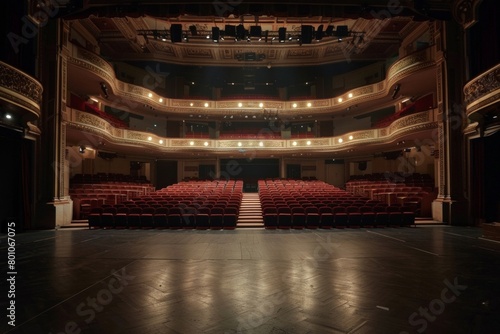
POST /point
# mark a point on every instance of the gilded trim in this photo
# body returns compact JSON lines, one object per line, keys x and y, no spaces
{"x":21,"y":89}
{"x":483,"y":90}
{"x":402,"y":127}
{"x":135,"y":95}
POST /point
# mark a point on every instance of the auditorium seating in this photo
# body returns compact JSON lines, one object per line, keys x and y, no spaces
{"x":414,"y":190}
{"x":78,"y":103}
{"x":297,"y":204}
{"x":422,"y":104}
{"x":286,"y":204}
{"x":188,"y":204}
{"x":95,"y":190}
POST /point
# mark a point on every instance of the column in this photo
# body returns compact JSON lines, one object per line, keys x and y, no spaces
{"x":217,"y":168}
{"x":450,"y":206}
{"x":54,"y":202}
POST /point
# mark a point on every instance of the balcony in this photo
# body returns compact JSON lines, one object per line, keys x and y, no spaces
{"x":22,"y":92}
{"x":482,"y":91}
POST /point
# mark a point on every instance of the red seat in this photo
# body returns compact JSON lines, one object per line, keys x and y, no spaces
{"x":134,"y":217}
{"x":160,"y":217}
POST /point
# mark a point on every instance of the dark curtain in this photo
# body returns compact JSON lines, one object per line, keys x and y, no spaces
{"x":477,"y":179}
{"x":26,"y":192}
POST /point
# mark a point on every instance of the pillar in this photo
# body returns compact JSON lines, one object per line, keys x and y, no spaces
{"x":53,"y":201}
{"x":450,"y":205}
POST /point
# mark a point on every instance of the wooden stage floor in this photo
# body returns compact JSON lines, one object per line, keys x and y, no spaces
{"x":424,"y":279}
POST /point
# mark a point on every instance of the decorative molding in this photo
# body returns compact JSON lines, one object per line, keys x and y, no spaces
{"x":95,"y":60}
{"x":94,"y":124}
{"x":135,"y":135}
{"x":466,"y":12}
{"x":408,"y":121}
{"x":197,"y":53}
{"x":482,"y":90}
{"x":93,"y":68}
{"x":186,"y":142}
{"x":137,"y":94}
{"x":64,"y":79}
{"x":441,"y":155}
{"x":412,"y":63}
{"x":368,"y":134}
{"x":167,"y":49}
{"x":33,"y":129}
{"x":63,"y":191}
{"x":439,"y":83}
{"x":302,"y":53}
{"x":20,"y":88}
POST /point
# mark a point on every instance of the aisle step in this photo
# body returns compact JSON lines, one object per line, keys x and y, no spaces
{"x":250,"y":211}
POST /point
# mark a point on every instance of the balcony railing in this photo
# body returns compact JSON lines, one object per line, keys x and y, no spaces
{"x":20,"y":89}
{"x":401,"y":127}
{"x":483,"y":90}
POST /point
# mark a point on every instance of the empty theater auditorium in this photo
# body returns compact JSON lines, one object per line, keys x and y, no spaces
{"x":250,"y":167}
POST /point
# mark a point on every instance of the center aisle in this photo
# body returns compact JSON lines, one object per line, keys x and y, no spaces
{"x":250,"y":211}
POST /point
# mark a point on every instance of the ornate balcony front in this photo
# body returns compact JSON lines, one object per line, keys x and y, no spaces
{"x":22,"y":92}
{"x":482,"y":91}
{"x":375,"y":138}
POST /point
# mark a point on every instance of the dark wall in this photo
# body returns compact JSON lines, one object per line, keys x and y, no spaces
{"x":249,"y":169}
{"x":19,"y":38}
{"x":492,"y":178}
{"x":483,"y":39}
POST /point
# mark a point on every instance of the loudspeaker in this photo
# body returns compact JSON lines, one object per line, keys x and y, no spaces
{"x":256,"y":31}
{"x":240,"y":31}
{"x":342,"y":31}
{"x":329,"y":30}
{"x":215,"y":34}
{"x":176,"y":33}
{"x":193,"y":30}
{"x":319,"y":32}
{"x":307,"y":34}
{"x":230,"y":30}
{"x":281,"y":34}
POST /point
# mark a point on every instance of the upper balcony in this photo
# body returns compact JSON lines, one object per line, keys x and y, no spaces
{"x":415,"y":74}
{"x":86,"y":129}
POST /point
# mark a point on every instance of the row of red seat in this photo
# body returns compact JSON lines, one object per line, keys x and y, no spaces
{"x":392,"y":193}
{"x":173,"y":217}
{"x":315,"y":204}
{"x":339,"y":216}
{"x":187,"y":204}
